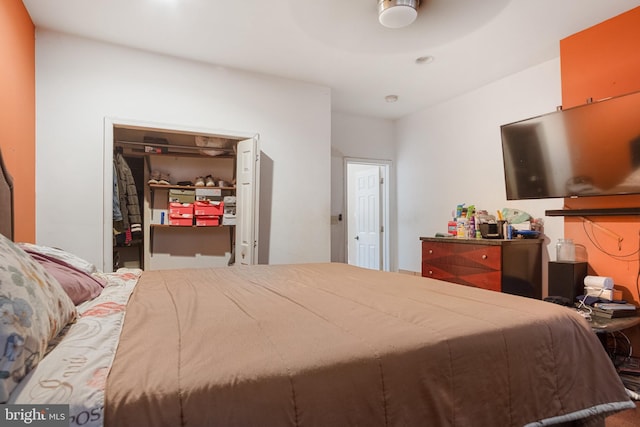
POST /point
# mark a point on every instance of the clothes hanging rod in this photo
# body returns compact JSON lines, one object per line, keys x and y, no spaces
{"x":159,"y":145}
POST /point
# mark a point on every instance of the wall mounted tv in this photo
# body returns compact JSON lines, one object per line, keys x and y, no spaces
{"x":590,"y":150}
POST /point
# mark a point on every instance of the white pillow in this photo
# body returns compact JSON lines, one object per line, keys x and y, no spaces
{"x":69,"y":258}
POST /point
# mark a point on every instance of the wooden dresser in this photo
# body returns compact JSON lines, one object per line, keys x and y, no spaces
{"x":511,"y":266}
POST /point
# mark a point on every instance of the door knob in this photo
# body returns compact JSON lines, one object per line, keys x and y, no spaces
{"x":357,"y":237}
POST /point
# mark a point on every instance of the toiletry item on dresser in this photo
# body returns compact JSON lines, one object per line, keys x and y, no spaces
{"x":463,"y":224}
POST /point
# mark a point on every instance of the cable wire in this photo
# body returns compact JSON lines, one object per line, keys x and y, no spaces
{"x":597,"y":245}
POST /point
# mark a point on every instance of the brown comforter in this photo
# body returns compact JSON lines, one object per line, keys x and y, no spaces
{"x":335,"y":345}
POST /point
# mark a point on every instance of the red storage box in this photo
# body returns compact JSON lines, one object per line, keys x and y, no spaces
{"x":181,"y":216}
{"x":181,"y":221}
{"x":180,"y":210}
{"x":208,"y":208}
{"x":207,"y":221}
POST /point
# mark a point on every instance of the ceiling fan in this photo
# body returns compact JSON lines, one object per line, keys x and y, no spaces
{"x":397,"y":13}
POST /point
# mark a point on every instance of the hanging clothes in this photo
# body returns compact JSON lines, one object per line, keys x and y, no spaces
{"x":117,"y":213}
{"x":128,"y":195}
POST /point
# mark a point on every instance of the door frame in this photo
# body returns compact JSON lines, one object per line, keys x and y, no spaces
{"x":385,"y":173}
{"x":107,"y":168}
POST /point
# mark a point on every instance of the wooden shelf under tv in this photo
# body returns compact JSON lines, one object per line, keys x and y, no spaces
{"x":594,"y":212}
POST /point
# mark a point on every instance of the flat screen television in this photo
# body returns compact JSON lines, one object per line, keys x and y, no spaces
{"x":590,"y":150}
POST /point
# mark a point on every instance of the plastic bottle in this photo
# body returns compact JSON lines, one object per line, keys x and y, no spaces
{"x":471,"y":214}
{"x":462,"y":228}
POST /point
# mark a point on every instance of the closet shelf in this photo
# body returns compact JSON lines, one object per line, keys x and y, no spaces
{"x":187,"y":187}
{"x":156,"y":149}
{"x":180,"y":147}
{"x":188,"y":226}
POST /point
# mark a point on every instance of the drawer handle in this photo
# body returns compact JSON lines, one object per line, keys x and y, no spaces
{"x":430,"y":251}
{"x":484,"y":257}
{"x":430,"y":272}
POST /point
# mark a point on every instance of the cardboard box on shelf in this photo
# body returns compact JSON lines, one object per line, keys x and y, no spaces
{"x":207,"y":207}
{"x":214,"y":194}
{"x":179,"y":195}
{"x":228,"y":219}
{"x":180,"y":221}
{"x":207,"y":221}
{"x":183,"y":215}
{"x":179,"y":209}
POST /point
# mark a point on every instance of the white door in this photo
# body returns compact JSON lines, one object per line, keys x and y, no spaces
{"x":368,"y":218}
{"x":247,"y":191}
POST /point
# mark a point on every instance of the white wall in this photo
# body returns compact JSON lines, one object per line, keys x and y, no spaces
{"x":451,"y":154}
{"x":363,"y":138}
{"x":80,"y":82}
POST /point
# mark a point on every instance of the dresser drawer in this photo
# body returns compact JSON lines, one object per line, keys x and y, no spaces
{"x":436,"y":272}
{"x":467,"y":254}
{"x":491,"y":280}
{"x":470,"y":276}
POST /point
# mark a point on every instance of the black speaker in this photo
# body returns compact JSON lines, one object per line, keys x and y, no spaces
{"x":566,"y":279}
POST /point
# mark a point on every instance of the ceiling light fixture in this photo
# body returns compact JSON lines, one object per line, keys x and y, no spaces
{"x":397,"y":13}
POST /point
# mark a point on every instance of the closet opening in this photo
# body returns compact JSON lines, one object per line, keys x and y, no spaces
{"x":178,"y":197}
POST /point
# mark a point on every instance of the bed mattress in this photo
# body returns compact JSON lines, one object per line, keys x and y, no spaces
{"x":336,"y":345}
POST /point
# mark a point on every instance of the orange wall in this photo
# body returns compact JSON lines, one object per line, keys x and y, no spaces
{"x":18,"y":112}
{"x":600,"y":62}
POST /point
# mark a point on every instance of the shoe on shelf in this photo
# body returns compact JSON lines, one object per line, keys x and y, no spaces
{"x":154,"y":177}
{"x":199,"y":181}
{"x":165,"y":179}
{"x":209,"y":182}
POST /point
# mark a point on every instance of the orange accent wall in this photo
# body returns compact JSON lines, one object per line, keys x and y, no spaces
{"x":18,"y":112}
{"x":601,"y":62}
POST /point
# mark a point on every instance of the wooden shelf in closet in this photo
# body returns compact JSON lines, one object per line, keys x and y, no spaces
{"x":188,"y":226}
{"x":187,"y":187}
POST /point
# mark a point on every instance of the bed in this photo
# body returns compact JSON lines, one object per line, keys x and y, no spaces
{"x":323,"y":344}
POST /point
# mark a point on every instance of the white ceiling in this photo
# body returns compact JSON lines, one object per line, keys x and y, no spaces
{"x":339,"y":43}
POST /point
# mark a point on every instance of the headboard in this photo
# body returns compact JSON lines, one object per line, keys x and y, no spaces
{"x":6,"y":201}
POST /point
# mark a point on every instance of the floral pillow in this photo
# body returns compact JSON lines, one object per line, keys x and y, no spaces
{"x":33,"y":310}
